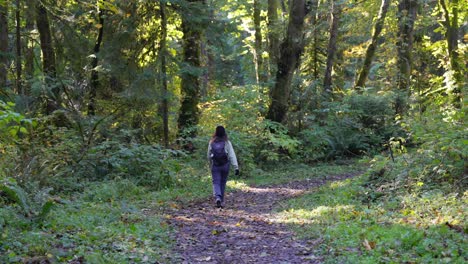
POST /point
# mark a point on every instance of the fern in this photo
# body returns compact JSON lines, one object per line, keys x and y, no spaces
{"x":15,"y":194}
{"x":45,"y":210}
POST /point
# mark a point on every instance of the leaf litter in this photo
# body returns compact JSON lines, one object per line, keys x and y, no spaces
{"x":242,"y":232}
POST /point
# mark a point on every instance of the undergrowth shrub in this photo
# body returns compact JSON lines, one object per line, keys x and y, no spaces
{"x":90,"y":149}
{"x":13,"y":127}
{"x":274,"y":143}
{"x":256,"y":140}
{"x":146,"y":165}
{"x":361,"y":124}
{"x":109,"y":191}
{"x":437,"y":163}
{"x":33,"y":206}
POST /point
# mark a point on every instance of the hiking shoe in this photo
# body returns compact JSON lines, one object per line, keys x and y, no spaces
{"x":218,"y":204}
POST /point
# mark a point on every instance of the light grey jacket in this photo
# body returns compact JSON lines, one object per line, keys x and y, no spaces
{"x":230,"y":153}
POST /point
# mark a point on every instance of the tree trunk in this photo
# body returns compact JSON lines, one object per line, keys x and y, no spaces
{"x":362,"y":77}
{"x":258,"y":42}
{"x":48,"y":56}
{"x":315,"y":44}
{"x":290,"y":52}
{"x":273,"y":33}
{"x":3,"y":46}
{"x":331,"y":49}
{"x":29,"y":45}
{"x":165,"y":95}
{"x":94,"y":82}
{"x":190,"y":83}
{"x":19,"y":89}
{"x":407,"y":10}
{"x":451,"y":35}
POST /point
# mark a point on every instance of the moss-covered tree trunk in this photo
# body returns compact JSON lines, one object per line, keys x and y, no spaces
{"x":370,"y":52}
{"x":19,"y":64}
{"x":407,"y":10}
{"x":190,"y":86}
{"x":451,"y":35}
{"x":315,"y":39}
{"x":273,"y":34}
{"x":165,"y":95}
{"x":94,"y":82}
{"x":260,"y":76}
{"x":3,"y":46}
{"x":331,"y":49}
{"x":48,"y":55}
{"x":290,"y":52}
{"x":29,"y":45}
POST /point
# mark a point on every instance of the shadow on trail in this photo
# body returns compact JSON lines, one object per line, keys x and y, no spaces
{"x":243,"y":232}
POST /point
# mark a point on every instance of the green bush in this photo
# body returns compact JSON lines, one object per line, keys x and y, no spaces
{"x":437,"y":162}
{"x":33,"y":206}
{"x":361,"y":124}
{"x":147,"y":165}
{"x":12,"y":124}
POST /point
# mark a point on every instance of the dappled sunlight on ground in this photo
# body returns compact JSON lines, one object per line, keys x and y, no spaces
{"x":318,"y":215}
{"x":246,"y":230}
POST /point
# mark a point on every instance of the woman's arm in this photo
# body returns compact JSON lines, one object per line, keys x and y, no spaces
{"x":232,"y":155}
{"x":208,"y":154}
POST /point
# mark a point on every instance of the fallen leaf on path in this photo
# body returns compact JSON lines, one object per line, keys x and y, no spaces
{"x":368,"y":245}
{"x":218,"y":231}
{"x":203,"y":259}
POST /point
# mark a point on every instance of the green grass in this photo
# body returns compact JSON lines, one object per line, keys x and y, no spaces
{"x":351,"y":229}
{"x":287,"y":172}
{"x":104,"y":224}
{"x":120,"y":222}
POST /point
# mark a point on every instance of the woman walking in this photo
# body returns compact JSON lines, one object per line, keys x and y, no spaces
{"x":221,"y":155}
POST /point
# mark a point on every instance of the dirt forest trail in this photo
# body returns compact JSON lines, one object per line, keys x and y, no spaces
{"x":245,"y":230}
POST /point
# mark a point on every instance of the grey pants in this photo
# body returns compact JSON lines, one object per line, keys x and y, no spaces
{"x":219,"y":175}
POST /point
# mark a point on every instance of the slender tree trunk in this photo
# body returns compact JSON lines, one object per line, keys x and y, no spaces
{"x":29,"y":45}
{"x":273,"y":33}
{"x":315,"y":33}
{"x":190,"y":83}
{"x":165,"y":95}
{"x":94,"y":82}
{"x":208,"y":61}
{"x":3,"y":46}
{"x":407,"y":10}
{"x":331,"y":49}
{"x":19,"y":89}
{"x":362,"y":77}
{"x":48,"y":56}
{"x":258,"y":42}
{"x":451,"y":35}
{"x":290,"y":52}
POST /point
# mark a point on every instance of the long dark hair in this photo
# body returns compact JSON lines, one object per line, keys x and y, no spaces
{"x":220,"y":134}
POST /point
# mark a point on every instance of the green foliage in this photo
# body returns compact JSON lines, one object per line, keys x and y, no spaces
{"x":12,"y":124}
{"x":148,"y":165}
{"x":64,"y":158}
{"x":14,"y":193}
{"x":275,"y":143}
{"x":88,"y":229}
{"x":437,"y":162}
{"x":109,"y":167}
{"x":346,"y":230}
{"x":33,"y":207}
{"x":255,"y":139}
{"x":361,"y":124}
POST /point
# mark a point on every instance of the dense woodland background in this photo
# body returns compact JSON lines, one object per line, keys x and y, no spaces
{"x":116,"y":93}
